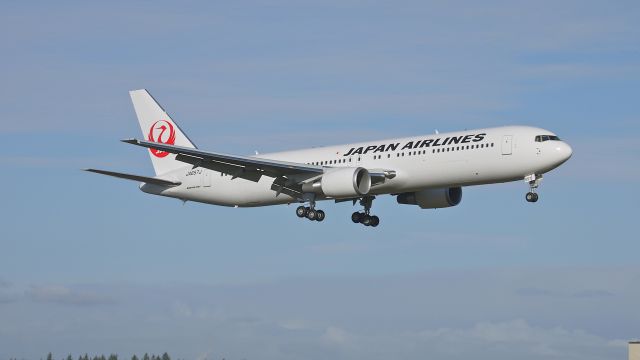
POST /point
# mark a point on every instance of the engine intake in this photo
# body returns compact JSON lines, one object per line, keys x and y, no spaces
{"x":432,"y":198}
{"x":345,"y":182}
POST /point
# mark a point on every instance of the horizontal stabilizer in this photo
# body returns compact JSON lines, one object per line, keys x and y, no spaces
{"x":145,"y":179}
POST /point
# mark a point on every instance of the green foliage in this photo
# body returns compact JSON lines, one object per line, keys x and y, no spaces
{"x":146,"y":356}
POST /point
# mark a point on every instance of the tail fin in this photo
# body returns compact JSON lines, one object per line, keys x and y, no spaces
{"x":157,"y":126}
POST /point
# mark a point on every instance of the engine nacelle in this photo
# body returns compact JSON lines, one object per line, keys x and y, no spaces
{"x":345,"y":182}
{"x":432,"y":198}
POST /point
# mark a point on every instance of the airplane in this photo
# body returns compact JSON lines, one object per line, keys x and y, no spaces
{"x":427,"y":170}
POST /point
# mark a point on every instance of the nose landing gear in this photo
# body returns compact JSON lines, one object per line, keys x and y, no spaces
{"x":534,"y":181}
{"x":365,"y":218}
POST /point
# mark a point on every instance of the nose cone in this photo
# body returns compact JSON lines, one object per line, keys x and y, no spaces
{"x":562,"y":151}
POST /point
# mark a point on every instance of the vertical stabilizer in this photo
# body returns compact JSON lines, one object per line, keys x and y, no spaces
{"x":157,"y":126}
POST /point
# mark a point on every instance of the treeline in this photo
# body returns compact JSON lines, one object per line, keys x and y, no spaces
{"x":164,"y":356}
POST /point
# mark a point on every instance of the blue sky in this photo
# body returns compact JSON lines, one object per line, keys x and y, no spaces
{"x":91,"y":264}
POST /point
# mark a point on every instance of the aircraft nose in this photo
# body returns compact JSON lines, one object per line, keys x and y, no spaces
{"x":563,"y":151}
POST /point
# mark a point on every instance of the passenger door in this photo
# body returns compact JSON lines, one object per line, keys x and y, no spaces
{"x":507,"y":145}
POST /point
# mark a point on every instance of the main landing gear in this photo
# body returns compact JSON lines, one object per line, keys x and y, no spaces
{"x":365,"y":218}
{"x":534,"y":181}
{"x":310,"y":212}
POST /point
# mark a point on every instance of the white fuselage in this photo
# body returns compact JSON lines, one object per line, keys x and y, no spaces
{"x":464,"y":158}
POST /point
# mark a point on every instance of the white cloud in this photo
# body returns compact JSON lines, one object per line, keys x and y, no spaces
{"x":295,"y":324}
{"x":65,"y":295}
{"x":445,"y":314}
{"x":181,"y":309}
{"x":486,"y":340}
{"x":336,"y":335}
{"x":7,"y":293}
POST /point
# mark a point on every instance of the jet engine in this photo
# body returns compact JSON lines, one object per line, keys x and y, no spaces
{"x":432,"y":198}
{"x":344,"y":182}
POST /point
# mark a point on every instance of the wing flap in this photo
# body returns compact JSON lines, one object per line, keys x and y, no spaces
{"x":233,"y":170}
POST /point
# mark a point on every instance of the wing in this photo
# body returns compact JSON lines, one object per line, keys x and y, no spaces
{"x":145,"y":179}
{"x":288,"y":175}
{"x":272,"y":168}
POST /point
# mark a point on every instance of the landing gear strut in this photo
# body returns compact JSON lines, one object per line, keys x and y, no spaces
{"x":365,"y":218}
{"x":534,"y":181}
{"x":310,"y":212}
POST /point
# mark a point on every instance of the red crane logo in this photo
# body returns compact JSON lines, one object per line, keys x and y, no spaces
{"x":158,"y":133}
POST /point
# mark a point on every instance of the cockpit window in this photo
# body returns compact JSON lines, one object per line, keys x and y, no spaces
{"x":542,"y":138}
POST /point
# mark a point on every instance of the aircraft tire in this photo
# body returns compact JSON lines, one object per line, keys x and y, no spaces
{"x":530,"y":197}
{"x":312,"y":215}
{"x":301,"y":211}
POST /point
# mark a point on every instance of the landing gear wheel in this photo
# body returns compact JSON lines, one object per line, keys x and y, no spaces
{"x":375,"y":221}
{"x":534,"y":182}
{"x":356,"y":217}
{"x":301,"y":211}
{"x":320,"y":215}
{"x":366,"y":220}
{"x":312,"y":214}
